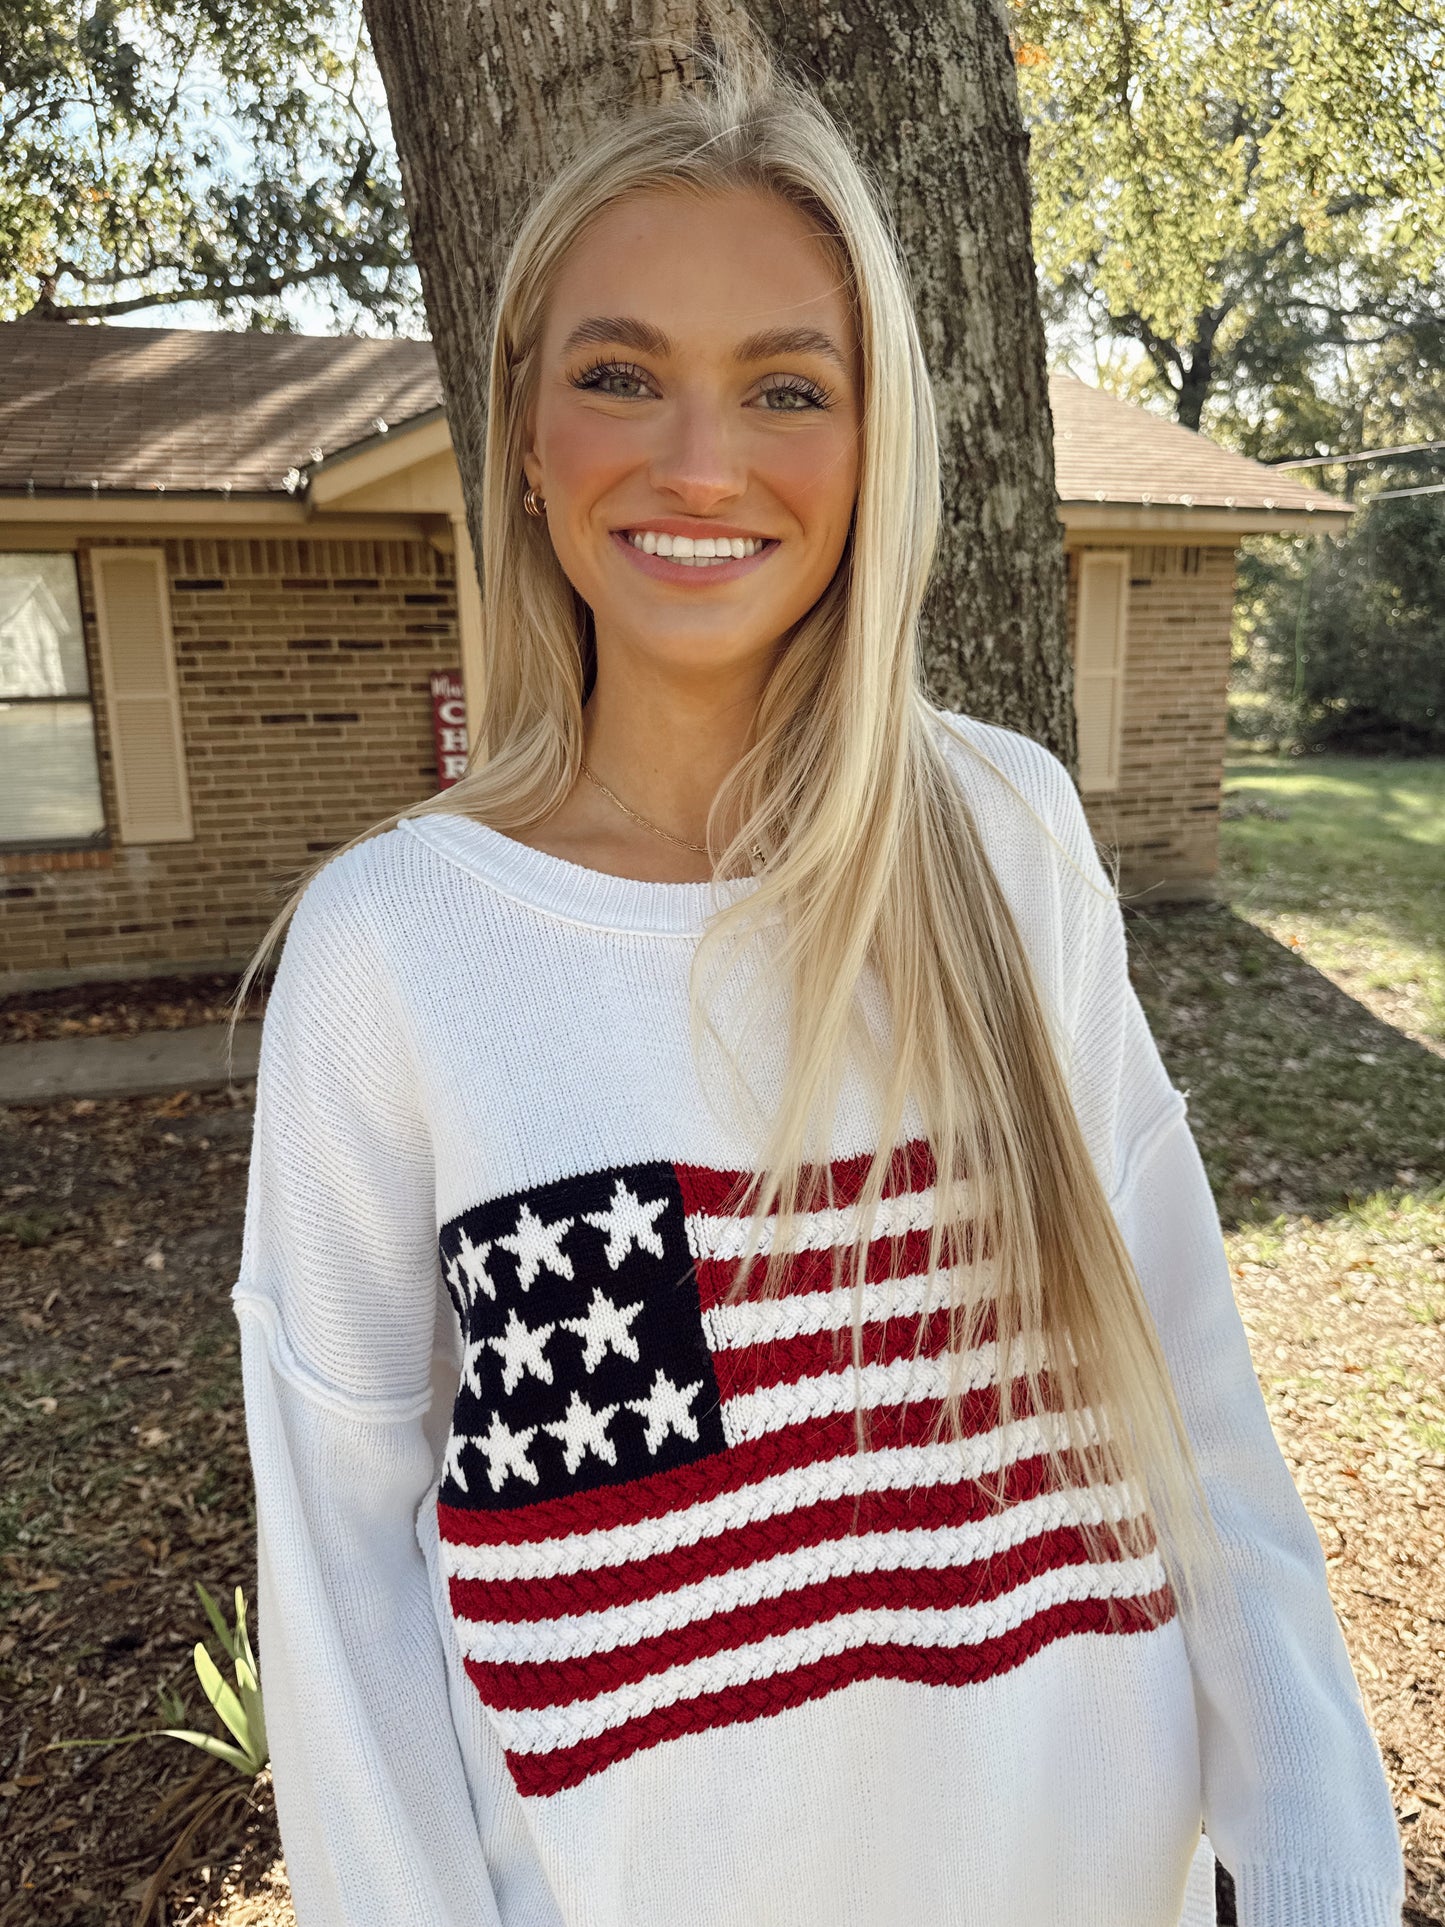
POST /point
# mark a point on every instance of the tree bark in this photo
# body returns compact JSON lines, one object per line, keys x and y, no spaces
{"x":486,"y":100}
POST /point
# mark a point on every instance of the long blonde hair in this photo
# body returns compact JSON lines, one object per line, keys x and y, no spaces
{"x":872,"y":863}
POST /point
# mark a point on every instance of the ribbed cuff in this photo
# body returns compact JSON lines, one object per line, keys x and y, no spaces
{"x":1280,"y":1896}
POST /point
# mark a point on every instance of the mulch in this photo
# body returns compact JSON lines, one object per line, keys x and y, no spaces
{"x":123,"y":1008}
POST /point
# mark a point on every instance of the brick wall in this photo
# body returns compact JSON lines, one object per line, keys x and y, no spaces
{"x":303,"y":668}
{"x":1163,"y":819}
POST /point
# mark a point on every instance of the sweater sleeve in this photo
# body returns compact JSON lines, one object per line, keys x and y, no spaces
{"x":336,"y":1302}
{"x":1295,"y":1798}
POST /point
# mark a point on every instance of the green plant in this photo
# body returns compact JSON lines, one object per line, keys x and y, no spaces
{"x":193,"y":1804}
{"x":239,"y":1707}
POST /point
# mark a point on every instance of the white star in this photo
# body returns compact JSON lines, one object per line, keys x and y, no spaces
{"x":470,"y":1375}
{"x":582,"y":1430}
{"x":537,"y":1244}
{"x":452,"y":1463}
{"x":667,"y":1409}
{"x":507,"y":1454}
{"x":605,"y":1328}
{"x":523,"y":1349}
{"x":471,"y":1263}
{"x":627,"y":1222}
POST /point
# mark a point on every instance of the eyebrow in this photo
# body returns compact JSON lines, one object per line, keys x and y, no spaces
{"x":629,"y":332}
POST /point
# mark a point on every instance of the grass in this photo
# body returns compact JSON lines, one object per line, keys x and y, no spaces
{"x":1355,"y":873}
{"x":1304,"y":1013}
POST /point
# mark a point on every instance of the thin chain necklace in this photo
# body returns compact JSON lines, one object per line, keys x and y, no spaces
{"x":656,"y":828}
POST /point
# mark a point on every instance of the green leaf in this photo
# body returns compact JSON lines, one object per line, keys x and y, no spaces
{"x":222,"y":1696}
{"x":219,"y":1749}
{"x":250,"y":1682}
{"x":213,"y":1613}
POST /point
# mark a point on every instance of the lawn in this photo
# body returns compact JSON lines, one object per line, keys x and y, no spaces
{"x":1303,"y":1015}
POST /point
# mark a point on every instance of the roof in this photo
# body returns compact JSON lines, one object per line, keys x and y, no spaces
{"x":126,"y":410}
{"x":84,"y":408}
{"x":1107,"y":450}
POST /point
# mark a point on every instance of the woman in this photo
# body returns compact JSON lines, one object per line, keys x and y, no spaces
{"x":749,"y":1419}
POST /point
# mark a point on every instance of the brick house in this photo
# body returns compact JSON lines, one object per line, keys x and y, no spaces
{"x":231,"y":566}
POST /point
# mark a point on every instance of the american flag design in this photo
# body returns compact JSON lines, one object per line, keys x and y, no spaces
{"x":654,"y":1517}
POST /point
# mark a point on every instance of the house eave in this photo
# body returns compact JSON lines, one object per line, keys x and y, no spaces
{"x":1198,"y":521}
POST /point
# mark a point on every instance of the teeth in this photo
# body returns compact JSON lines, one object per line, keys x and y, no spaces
{"x":696,"y":551}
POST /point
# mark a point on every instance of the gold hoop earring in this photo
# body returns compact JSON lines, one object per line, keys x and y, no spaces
{"x":533,"y":503}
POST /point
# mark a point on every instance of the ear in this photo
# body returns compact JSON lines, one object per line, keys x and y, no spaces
{"x":531,"y":461}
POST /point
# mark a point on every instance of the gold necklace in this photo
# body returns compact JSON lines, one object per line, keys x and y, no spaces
{"x":656,"y":828}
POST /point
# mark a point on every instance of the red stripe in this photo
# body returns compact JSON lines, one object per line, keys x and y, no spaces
{"x":904,"y":1255}
{"x":919,"y":1509}
{"x":539,"y":1774}
{"x":655,"y":1494}
{"x":723,"y":1193}
{"x":538,"y":1683}
{"x":788,"y":1361}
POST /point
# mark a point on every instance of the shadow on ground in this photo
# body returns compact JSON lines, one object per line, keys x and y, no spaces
{"x":1301,"y":1099}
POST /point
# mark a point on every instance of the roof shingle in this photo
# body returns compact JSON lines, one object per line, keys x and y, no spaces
{"x":187,"y":409}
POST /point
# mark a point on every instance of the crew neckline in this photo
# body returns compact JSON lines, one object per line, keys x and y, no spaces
{"x":561,"y":888}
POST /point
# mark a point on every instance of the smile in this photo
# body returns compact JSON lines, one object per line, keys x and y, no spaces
{"x":674,"y":558}
{"x":696,"y":548}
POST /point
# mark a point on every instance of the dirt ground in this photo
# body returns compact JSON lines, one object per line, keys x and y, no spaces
{"x":125,"y":1476}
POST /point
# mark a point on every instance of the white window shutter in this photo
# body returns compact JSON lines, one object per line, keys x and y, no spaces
{"x":142,"y":695}
{"x":1102,"y":623}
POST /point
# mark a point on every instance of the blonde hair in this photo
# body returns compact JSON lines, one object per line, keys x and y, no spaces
{"x":872,"y":861}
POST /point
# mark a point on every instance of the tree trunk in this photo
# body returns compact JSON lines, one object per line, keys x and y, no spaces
{"x":486,"y":100}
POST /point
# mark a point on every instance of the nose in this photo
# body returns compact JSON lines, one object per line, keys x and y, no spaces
{"x":699,"y":459}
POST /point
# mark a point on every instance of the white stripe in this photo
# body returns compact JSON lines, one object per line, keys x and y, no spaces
{"x":925,"y":1549}
{"x":890,"y":1469}
{"x":539,"y":1730}
{"x":714,"y":1237}
{"x":751,"y":1415}
{"x":759,"y":1321}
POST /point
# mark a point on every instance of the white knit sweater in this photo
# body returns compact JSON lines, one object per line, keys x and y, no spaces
{"x":578,"y":1606}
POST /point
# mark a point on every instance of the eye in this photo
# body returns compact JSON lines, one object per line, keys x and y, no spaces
{"x":623,"y":380}
{"x":792,"y":395}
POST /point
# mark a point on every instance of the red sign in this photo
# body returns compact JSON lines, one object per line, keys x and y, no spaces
{"x":449,"y":726}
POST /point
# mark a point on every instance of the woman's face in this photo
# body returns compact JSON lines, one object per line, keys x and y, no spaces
{"x":695,"y":429}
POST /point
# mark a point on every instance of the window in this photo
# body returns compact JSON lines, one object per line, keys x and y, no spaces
{"x":49,"y":772}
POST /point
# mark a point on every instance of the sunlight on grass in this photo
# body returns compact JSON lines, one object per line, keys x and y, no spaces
{"x":1350,"y":874}
{"x":1378,"y":1263}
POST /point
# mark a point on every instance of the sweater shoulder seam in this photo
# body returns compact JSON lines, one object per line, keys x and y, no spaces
{"x":289,"y":1366}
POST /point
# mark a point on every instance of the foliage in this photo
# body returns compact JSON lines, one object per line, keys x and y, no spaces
{"x":216,"y":151}
{"x":240,"y":1708}
{"x":1341,"y":643}
{"x":1228,"y":182}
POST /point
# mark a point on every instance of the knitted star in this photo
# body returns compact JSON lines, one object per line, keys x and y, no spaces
{"x":627,"y":1222}
{"x":507,"y":1454}
{"x":471,"y":1377}
{"x":536,"y":1244}
{"x":522,"y":1349}
{"x":471,"y":1263}
{"x":667,"y":1408}
{"x":582,"y":1430}
{"x":452,"y":1463}
{"x":605,"y":1327}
